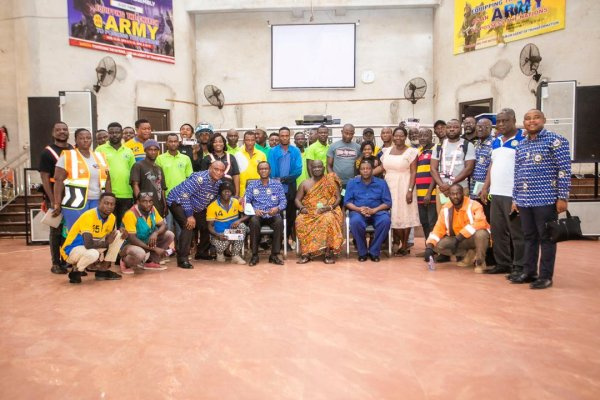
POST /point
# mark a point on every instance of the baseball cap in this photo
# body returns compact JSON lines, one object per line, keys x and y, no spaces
{"x":150,"y":143}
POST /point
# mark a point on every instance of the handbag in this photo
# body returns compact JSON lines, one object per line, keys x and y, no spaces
{"x":564,"y":229}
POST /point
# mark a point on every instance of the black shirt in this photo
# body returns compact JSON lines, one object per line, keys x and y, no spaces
{"x":47,"y":159}
{"x":151,"y":179}
{"x":231,"y":171}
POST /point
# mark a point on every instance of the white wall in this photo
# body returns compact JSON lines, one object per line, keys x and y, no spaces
{"x":569,"y":54}
{"x":39,"y":62}
{"x":233,"y":52}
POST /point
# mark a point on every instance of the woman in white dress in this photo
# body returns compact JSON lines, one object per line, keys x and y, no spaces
{"x":400,"y":167}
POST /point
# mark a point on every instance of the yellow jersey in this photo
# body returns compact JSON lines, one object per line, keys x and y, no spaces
{"x":88,"y":222}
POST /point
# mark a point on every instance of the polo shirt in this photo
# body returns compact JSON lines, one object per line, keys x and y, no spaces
{"x":175,"y":167}
{"x":137,"y":147}
{"x":369,"y":195}
{"x":317,"y":151}
{"x":248,"y":167}
{"x":119,"y":162}
{"x":423,"y":178}
{"x":89,"y":222}
{"x":544,"y":170}
{"x":502,"y":170}
{"x":222,"y":215}
{"x":233,"y":150}
{"x":264,"y":149}
{"x":130,"y":220}
{"x":304,"y":175}
{"x":195,"y":193}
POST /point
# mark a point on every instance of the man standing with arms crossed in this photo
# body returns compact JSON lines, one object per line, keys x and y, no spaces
{"x":342,"y":155}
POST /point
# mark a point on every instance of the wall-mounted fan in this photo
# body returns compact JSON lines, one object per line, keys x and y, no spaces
{"x":529,"y":61}
{"x":415,"y":89}
{"x":106,"y":71}
{"x":214,"y":95}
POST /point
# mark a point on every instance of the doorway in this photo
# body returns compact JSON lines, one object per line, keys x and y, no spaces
{"x":160,"y":119}
{"x":475,"y":107}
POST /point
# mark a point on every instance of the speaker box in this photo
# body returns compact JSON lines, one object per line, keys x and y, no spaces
{"x":587,"y":110}
{"x":43,"y":113}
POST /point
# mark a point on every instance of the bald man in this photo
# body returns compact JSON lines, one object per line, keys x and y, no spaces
{"x":233,"y":138}
{"x":342,"y":155}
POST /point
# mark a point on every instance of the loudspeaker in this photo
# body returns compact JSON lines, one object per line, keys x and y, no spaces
{"x":43,"y":113}
{"x":78,"y":110}
{"x":557,"y":101}
{"x":587,"y":110}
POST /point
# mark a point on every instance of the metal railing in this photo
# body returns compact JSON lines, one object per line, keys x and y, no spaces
{"x":11,"y":173}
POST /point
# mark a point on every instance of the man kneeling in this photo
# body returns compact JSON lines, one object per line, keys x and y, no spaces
{"x":461,"y":230}
{"x":89,"y":238}
{"x":148,"y":236}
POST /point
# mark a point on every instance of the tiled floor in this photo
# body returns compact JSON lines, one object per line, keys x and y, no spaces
{"x":352,"y":330}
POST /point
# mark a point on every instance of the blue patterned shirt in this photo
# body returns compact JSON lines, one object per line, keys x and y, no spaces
{"x":195,"y":193}
{"x":265,"y":197}
{"x":483,"y":158}
{"x":542,"y":170}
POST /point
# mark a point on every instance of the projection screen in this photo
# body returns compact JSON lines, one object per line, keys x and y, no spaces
{"x":313,"y":56}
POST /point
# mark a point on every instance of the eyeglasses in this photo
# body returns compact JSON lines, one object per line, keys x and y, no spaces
{"x":144,"y":194}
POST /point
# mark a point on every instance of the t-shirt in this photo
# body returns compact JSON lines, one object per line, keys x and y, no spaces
{"x":130,"y":220}
{"x":423,"y":177}
{"x":176,"y":168}
{"x":89,"y":222}
{"x":304,"y":175}
{"x":344,"y":155}
{"x":137,"y":147}
{"x":317,"y":151}
{"x":151,"y":180}
{"x":223,"y":216}
{"x":93,"y":192}
{"x":454,"y":150}
{"x":502,"y":172}
{"x":119,"y":164}
{"x":48,"y":161}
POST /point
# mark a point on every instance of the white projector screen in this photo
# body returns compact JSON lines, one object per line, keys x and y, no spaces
{"x":313,"y":56}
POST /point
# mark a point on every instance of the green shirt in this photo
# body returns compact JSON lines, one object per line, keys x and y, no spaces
{"x":176,"y":168}
{"x":317,"y":151}
{"x":119,"y":166}
{"x":233,"y":150}
{"x":304,"y":175}
{"x":263,"y":149}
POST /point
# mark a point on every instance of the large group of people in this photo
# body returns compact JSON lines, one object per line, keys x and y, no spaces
{"x":207,"y":193}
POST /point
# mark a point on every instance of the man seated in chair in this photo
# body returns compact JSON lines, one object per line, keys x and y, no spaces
{"x":89,"y":238}
{"x":267,"y":198}
{"x":148,"y":238}
{"x":461,"y":230}
{"x":368,"y":199}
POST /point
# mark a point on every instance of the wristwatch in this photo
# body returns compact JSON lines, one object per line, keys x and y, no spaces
{"x":410,"y":189}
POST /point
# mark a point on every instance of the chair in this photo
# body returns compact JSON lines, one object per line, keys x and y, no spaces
{"x":266,"y":230}
{"x":369,"y":229}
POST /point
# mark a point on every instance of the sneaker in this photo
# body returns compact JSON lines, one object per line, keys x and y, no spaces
{"x":154,"y":266}
{"x":125,"y":269}
{"x":75,"y":277}
{"x":221,"y":258}
{"x":238,"y":260}
{"x":467,"y":260}
{"x":107,"y":276}
{"x":57,"y":269}
{"x":480,"y":267}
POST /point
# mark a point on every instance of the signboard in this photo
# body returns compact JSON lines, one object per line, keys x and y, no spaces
{"x":479,"y":24}
{"x":142,"y":28}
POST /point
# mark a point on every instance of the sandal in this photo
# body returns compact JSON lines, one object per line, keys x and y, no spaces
{"x":303,"y":260}
{"x":402,"y":252}
{"x":329,"y":259}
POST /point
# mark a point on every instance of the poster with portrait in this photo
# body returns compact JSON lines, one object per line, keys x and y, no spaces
{"x":484,"y":23}
{"x":142,"y":28}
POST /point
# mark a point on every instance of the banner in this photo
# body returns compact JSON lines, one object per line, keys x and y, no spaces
{"x":142,"y":28}
{"x":480,"y":24}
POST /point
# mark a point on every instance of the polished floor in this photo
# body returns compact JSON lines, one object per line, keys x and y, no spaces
{"x":391,"y":330}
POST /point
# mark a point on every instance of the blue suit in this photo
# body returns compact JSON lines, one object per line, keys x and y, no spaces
{"x":369,"y":195}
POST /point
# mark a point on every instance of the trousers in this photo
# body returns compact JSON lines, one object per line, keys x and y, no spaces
{"x":276,"y":223}
{"x":533,"y":222}
{"x":80,"y":257}
{"x":358,"y":226}
{"x":480,"y":242}
{"x":133,"y":255}
{"x":506,"y":229}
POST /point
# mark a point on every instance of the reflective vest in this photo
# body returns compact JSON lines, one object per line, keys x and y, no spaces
{"x":78,"y":177}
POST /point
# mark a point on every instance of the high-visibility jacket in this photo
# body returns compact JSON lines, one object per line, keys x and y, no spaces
{"x":78,"y":177}
{"x":465,"y":221}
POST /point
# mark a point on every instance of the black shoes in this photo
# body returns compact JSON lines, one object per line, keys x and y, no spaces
{"x":107,"y":276}
{"x":275,"y":260}
{"x":541,"y":284}
{"x":498,"y":269}
{"x":207,"y":257}
{"x":362,"y":258}
{"x":185,"y":265}
{"x":75,"y":277}
{"x":524,"y":278}
{"x":374,"y":258}
{"x":440,"y":258}
{"x":57,"y":269}
{"x":254,"y":260}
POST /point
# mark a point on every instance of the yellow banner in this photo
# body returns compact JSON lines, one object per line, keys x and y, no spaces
{"x":480,"y":24}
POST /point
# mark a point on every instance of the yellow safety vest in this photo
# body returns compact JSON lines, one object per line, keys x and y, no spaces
{"x":78,"y":178}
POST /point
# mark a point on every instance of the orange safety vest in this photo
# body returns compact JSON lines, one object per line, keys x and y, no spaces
{"x":78,"y":177}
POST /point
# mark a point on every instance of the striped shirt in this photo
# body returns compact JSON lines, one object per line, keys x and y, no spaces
{"x":424,"y":178}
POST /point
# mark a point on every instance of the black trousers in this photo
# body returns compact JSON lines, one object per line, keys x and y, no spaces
{"x":276,"y":223}
{"x":55,"y":240}
{"x":203,"y":247}
{"x":533,"y":221}
{"x":184,"y":243}
{"x":121,"y":207}
{"x":290,"y":209}
{"x":427,"y":217}
{"x":506,"y":229}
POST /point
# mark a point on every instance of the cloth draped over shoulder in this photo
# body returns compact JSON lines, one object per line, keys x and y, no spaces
{"x":318,"y":232}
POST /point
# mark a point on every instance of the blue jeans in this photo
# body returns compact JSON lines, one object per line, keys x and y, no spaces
{"x":358,"y":225}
